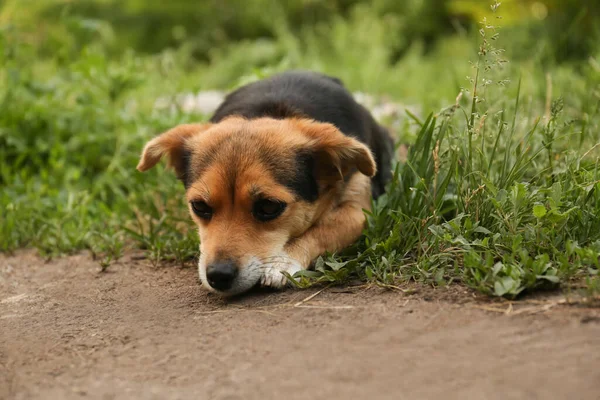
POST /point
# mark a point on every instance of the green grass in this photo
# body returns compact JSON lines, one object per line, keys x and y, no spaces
{"x":500,"y":189}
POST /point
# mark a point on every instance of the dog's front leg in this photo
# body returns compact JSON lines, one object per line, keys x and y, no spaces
{"x":336,"y":231}
{"x":337,"y":228}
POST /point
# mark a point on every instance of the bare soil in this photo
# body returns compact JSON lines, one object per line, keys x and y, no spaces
{"x":145,"y":332}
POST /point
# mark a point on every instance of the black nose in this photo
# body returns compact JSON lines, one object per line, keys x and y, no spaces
{"x":220,"y":275}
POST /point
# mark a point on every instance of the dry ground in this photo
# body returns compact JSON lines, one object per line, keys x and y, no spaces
{"x":144,"y":332}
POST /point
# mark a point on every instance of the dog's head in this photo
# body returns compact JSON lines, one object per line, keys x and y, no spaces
{"x":253,"y":185}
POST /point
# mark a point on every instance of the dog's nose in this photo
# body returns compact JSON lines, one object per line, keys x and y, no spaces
{"x":220,"y":275}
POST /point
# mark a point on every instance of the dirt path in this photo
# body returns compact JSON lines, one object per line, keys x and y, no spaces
{"x":139,"y":332}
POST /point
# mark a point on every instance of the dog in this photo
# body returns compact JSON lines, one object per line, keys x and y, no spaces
{"x":279,"y":175}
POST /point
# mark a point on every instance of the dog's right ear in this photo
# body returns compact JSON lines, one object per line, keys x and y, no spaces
{"x":336,"y":154}
{"x":172,"y":144}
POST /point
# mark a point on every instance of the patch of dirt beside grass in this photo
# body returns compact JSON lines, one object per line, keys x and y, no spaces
{"x":138,"y":331}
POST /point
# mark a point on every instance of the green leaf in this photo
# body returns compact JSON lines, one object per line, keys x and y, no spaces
{"x":481,"y":229}
{"x":437,"y":230}
{"x":497,"y":268}
{"x":336,"y":265}
{"x":507,"y":285}
{"x":539,"y":210}
{"x":549,"y":278}
{"x":557,"y":193}
{"x":320,"y":265}
{"x":305,"y":272}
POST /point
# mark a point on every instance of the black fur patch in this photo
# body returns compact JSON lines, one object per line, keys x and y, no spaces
{"x":184,"y":175}
{"x":275,"y":110}
{"x":204,"y":158}
{"x":303,"y":181}
{"x":319,"y":97}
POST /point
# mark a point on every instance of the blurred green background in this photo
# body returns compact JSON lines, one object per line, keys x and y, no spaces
{"x":357,"y":40}
{"x":378,"y":46}
{"x":555,"y":30}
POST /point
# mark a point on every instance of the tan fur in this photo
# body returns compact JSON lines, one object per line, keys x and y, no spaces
{"x":170,"y":143}
{"x":342,"y":151}
{"x":339,"y":227}
{"x":228,"y":164}
{"x":232,"y":231}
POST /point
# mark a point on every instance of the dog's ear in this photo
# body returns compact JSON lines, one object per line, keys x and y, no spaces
{"x":172,"y":144}
{"x":335,"y":153}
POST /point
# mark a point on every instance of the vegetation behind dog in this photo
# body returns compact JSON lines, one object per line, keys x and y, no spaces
{"x":500,"y":189}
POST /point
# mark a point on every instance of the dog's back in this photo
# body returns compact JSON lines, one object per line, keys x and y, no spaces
{"x":298,"y":94}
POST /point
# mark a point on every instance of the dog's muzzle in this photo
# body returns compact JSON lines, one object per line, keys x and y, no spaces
{"x":221,"y":275}
{"x":228,"y":277}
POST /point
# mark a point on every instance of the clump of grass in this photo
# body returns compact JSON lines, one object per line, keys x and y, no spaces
{"x":483,"y":198}
{"x":69,"y":145}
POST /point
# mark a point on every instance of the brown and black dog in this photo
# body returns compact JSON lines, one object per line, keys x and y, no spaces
{"x":280,"y":175}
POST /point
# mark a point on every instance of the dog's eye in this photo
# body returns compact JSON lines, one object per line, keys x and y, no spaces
{"x":202,"y":209}
{"x":266,"y":210}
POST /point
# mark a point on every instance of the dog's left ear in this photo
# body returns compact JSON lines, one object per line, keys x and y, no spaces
{"x":172,"y":144}
{"x":336,"y":154}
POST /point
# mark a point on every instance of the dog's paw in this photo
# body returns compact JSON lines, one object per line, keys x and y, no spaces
{"x":273,"y":276}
